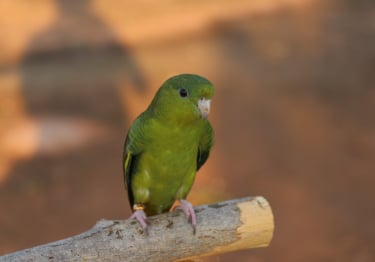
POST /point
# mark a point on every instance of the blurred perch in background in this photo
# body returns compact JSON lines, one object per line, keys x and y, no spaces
{"x":227,"y":226}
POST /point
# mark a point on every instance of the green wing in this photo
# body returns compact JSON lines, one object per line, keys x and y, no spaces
{"x":205,"y":145}
{"x":127,"y":161}
{"x":132,"y":150}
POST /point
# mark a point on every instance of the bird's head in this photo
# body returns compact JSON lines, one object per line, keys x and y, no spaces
{"x":184,"y":97}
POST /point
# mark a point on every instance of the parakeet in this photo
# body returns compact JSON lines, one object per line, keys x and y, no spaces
{"x":166,"y":145}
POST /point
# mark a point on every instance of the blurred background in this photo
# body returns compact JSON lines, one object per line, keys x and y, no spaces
{"x":293,"y":114}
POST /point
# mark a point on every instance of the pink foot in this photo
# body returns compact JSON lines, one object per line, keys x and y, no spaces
{"x":188,"y":209}
{"x":140,"y":215}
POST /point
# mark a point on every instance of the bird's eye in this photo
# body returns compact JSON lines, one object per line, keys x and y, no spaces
{"x":183,"y":92}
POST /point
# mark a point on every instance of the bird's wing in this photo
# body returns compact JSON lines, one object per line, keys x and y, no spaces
{"x":132,"y":150}
{"x":205,"y":145}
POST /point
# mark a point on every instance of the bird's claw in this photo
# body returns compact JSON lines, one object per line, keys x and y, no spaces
{"x":140,"y":215}
{"x":188,"y":209}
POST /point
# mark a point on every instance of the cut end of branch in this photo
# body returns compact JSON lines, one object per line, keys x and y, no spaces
{"x":255,"y":214}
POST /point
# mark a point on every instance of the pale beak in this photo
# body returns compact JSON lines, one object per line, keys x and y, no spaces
{"x":204,"y":107}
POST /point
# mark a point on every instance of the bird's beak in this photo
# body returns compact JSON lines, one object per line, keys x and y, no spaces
{"x":204,"y":107}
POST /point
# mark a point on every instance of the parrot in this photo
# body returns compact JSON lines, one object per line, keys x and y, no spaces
{"x":165,"y":147}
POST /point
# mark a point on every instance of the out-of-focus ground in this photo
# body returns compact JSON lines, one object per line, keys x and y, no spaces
{"x":293,"y":114}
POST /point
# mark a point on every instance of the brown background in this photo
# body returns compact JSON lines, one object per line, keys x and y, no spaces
{"x":293,"y":114}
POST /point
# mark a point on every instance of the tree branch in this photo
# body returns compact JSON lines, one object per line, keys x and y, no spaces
{"x":221,"y":227}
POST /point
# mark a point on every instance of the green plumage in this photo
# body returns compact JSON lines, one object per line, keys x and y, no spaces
{"x":168,"y":143}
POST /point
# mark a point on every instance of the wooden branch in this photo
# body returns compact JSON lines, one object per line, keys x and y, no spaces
{"x":222,"y":227}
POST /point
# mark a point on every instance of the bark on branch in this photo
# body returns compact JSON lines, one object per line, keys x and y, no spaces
{"x":222,"y":227}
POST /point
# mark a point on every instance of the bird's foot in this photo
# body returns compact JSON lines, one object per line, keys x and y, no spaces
{"x":140,"y":215}
{"x":188,"y":209}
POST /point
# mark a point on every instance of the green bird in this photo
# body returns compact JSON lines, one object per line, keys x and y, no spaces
{"x":166,"y":145}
